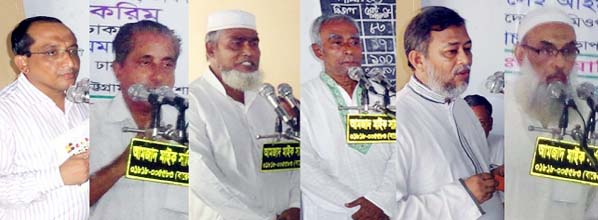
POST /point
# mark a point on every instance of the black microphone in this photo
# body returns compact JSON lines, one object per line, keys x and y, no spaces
{"x":558,"y":91}
{"x":378,"y":76}
{"x":79,"y":93}
{"x":357,"y":74}
{"x":170,"y":97}
{"x":267,"y":91}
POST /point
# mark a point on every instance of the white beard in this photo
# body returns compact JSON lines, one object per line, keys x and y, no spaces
{"x":447,"y":90}
{"x":534,"y":96}
{"x":242,"y":81}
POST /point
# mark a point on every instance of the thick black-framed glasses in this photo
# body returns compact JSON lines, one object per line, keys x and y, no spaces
{"x":568,"y":52}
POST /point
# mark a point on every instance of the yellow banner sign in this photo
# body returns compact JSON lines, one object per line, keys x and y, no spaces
{"x":371,"y":128}
{"x":562,"y":160}
{"x":284,"y":156}
{"x":158,"y":161}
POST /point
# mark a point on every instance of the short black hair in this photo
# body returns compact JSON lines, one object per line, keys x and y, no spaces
{"x":476,"y":100}
{"x":432,"y":18}
{"x":20,"y":41}
{"x":123,"y":42}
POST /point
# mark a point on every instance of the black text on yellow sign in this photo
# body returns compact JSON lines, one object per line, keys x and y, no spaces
{"x":158,"y":161}
{"x":281,"y":157}
{"x":370,"y":128}
{"x":563,"y":160}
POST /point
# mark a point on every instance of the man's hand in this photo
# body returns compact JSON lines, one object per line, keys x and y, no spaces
{"x":367,"y":210}
{"x":498,"y":171}
{"x":290,"y":214}
{"x":482,"y":186}
{"x":75,"y":170}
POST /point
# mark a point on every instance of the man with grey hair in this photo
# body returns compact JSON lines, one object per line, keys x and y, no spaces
{"x":445,"y":175}
{"x":226,"y":114}
{"x":340,"y":180}
{"x":547,"y":52}
{"x":146,"y":53}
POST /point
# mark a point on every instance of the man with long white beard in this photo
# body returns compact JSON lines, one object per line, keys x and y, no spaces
{"x":226,"y":115}
{"x":443,"y":156}
{"x":547,"y":53}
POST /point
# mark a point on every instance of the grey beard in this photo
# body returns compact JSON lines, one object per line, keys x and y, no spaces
{"x":534,"y":97}
{"x":242,"y":81}
{"x":446,"y":90}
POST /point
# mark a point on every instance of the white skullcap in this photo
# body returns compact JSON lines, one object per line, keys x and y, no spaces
{"x":540,"y":16}
{"x":227,"y":19}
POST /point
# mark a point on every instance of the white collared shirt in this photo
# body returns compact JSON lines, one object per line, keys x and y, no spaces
{"x":129,"y":199}
{"x":31,"y":186}
{"x":439,"y":142}
{"x":225,"y":156}
{"x":332,"y":173}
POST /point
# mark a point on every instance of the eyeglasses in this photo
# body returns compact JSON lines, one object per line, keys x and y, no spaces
{"x":54,"y":54}
{"x":569,"y":53}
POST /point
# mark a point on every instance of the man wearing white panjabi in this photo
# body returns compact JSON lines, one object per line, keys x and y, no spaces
{"x":547,"y":52}
{"x":226,"y":114}
{"x":443,"y":156}
{"x":340,"y":180}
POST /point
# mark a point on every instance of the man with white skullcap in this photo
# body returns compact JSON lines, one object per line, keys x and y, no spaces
{"x":546,"y":53}
{"x":226,"y":114}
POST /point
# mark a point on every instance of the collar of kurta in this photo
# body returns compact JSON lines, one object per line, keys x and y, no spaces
{"x":37,"y":96}
{"x":210,"y":77}
{"x":426,"y":93}
{"x":118,"y":110}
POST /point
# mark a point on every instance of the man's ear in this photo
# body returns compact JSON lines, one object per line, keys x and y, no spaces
{"x":317,"y":49}
{"x":210,"y":48}
{"x":21,"y":63}
{"x":519,"y":53}
{"x":415,"y":58}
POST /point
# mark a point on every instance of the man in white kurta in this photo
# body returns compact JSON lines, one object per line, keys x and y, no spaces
{"x":440,"y":143}
{"x":443,"y":156}
{"x":226,"y":181}
{"x":129,"y":198}
{"x":146,"y":53}
{"x":333,"y":172}
{"x":41,"y":130}
{"x":528,"y":103}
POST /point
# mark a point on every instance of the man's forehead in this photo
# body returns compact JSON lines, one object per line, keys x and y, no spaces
{"x":239,"y":33}
{"x":51,"y":33}
{"x":555,"y":33}
{"x":452,"y":35}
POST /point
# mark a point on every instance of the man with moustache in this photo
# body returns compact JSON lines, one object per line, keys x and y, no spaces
{"x":146,"y":53}
{"x":547,"y":52}
{"x":340,"y":180}
{"x":443,"y":156}
{"x":226,"y":114}
{"x":39,"y":178}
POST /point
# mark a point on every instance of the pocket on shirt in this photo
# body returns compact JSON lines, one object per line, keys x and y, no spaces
{"x":177,"y":199}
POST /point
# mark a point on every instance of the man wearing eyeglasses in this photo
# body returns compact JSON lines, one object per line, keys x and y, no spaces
{"x":43,"y":175}
{"x":546,"y":52}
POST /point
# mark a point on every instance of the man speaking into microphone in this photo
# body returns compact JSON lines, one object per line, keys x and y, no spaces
{"x":146,"y":54}
{"x":226,"y":114}
{"x":341,"y":180}
{"x":546,"y":52}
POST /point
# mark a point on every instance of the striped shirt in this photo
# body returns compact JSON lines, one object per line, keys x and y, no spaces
{"x":32,"y":148}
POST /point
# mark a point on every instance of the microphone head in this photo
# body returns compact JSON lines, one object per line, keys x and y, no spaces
{"x":138,"y":92}
{"x":556,"y":89}
{"x":355,"y":73}
{"x":266,"y":89}
{"x":285,"y":89}
{"x":495,"y":83}
{"x":79,"y":92}
{"x":585,"y":90}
